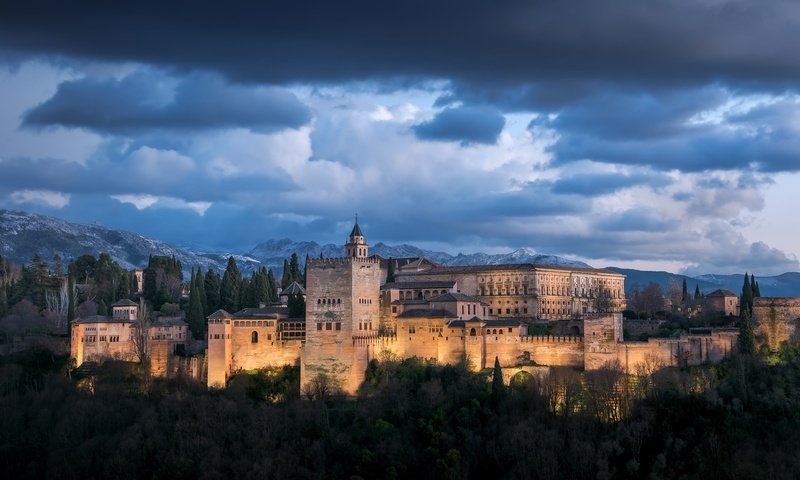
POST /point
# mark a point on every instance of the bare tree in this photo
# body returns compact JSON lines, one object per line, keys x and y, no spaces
{"x":322,"y":387}
{"x":57,"y":301}
{"x":140,"y":334}
{"x":603,"y":302}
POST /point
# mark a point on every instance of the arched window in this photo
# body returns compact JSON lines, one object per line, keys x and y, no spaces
{"x":254,"y":337}
{"x":471,"y":332}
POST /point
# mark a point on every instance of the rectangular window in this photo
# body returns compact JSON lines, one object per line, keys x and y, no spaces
{"x":394,"y":309}
{"x":338,"y":325}
{"x":102,"y":338}
{"x":412,"y":329}
{"x":319,"y":326}
{"x":327,"y":326}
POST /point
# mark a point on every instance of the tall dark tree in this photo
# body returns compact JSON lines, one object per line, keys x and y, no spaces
{"x":230,"y":288}
{"x":272,"y":286}
{"x":697,"y":293}
{"x":212,"y":285}
{"x":195,"y":316}
{"x":746,"y":301}
{"x":390,"y":271}
{"x":286,"y":278}
{"x":754,"y":286}
{"x":498,"y":387}
{"x":747,"y":341}
{"x":124,"y":285}
{"x":294,"y":269}
{"x":297,"y":306}
{"x":684,"y":291}
{"x":201,"y":288}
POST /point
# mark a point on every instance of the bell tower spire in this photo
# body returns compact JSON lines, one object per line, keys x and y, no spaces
{"x":356,"y":246}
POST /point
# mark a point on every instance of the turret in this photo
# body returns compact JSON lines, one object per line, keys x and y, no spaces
{"x":356,"y":246}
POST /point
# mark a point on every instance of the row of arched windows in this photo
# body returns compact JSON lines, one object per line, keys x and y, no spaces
{"x":328,"y":301}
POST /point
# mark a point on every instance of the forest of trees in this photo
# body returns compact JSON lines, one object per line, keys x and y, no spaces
{"x":410,"y":419}
{"x":41,"y":298}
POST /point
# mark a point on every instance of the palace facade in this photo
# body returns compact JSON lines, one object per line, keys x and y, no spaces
{"x":361,"y":307}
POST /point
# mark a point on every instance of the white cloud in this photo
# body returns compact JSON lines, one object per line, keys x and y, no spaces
{"x":139,"y":201}
{"x":41,"y":197}
{"x":147,"y":201}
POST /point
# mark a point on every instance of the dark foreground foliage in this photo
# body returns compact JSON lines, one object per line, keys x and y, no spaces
{"x":410,"y":420}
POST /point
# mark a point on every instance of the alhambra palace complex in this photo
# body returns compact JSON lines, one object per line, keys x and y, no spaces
{"x":448,"y":314}
{"x":470,"y":314}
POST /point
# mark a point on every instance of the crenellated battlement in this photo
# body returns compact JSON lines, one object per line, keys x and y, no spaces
{"x":334,"y":262}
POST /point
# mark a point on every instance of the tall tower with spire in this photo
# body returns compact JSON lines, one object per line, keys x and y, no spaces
{"x":356,"y":246}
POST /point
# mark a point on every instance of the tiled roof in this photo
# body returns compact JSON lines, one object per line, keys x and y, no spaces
{"x":416,"y":301}
{"x":509,"y":266}
{"x":124,"y":303}
{"x":101,"y":319}
{"x":169,"y":322}
{"x":262,"y":312}
{"x":721,"y":292}
{"x":454,"y":297}
{"x":429,"y":312}
{"x":294,"y":288}
{"x":220,"y":314}
{"x":356,"y":232}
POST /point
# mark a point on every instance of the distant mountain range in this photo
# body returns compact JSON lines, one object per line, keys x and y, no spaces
{"x":23,"y":235}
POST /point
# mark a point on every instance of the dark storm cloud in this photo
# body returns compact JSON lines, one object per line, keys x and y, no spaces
{"x":591,"y":185}
{"x":465,"y":124}
{"x":147,"y":100}
{"x":492,"y":45}
{"x":665,"y":134}
{"x":127,"y":177}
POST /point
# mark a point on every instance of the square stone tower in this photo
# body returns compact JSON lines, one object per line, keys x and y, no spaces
{"x":342,"y":304}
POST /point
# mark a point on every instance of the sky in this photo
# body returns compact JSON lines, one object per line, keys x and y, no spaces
{"x":646,"y":134}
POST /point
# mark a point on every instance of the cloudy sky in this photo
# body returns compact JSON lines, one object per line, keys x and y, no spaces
{"x":659,"y":135}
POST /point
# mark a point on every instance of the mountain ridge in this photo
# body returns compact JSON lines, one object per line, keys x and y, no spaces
{"x":23,"y":235}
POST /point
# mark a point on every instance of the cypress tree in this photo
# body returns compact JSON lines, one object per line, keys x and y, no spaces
{"x":229,"y":289}
{"x":390,"y":271}
{"x":201,"y":288}
{"x":684,"y":291}
{"x":746,"y":302}
{"x":754,"y":286}
{"x":498,"y":387}
{"x":294,"y":269}
{"x":697,"y":293}
{"x":286,"y":277}
{"x":272,"y":286}
{"x":211,"y":285}
{"x":747,"y":341}
{"x":195,"y":314}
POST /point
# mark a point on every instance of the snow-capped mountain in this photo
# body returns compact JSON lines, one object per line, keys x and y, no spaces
{"x":23,"y":235}
{"x":273,"y":252}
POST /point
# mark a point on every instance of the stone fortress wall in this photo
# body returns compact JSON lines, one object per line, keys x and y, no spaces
{"x":776,"y":319}
{"x":350,"y":321}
